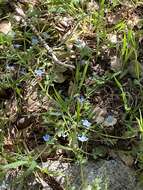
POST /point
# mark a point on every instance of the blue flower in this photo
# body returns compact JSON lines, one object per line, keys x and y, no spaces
{"x":46,"y":137}
{"x":17,"y":46}
{"x":81,"y":99}
{"x":10,"y":67}
{"x":45,"y":35}
{"x":22,"y":71}
{"x":34,"y":40}
{"x":82,"y":138}
{"x":80,"y":44}
{"x":110,"y":121}
{"x":86,"y":123}
{"x":39,"y":72}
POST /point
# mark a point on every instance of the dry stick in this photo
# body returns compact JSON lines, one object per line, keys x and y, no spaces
{"x":50,"y":51}
{"x":68,"y":35}
{"x":42,"y":41}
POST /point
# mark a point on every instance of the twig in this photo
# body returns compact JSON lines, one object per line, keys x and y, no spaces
{"x":20,"y":12}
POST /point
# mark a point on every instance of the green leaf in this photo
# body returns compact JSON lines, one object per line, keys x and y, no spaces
{"x":14,"y":165}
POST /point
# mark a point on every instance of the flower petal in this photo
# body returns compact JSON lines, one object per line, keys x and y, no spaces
{"x":110,"y":121}
{"x":46,"y":137}
{"x":86,"y":123}
{"x":34,"y":40}
{"x":82,"y":138}
{"x":39,"y":72}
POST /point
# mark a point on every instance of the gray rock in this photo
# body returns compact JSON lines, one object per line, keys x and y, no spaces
{"x":101,"y":175}
{"x":9,"y":183}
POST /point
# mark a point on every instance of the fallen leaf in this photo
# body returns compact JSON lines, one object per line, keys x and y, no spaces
{"x":126,"y":158}
{"x":59,"y":77}
{"x":115,"y":63}
{"x":5,"y":27}
{"x":99,"y":119}
{"x":99,"y":114}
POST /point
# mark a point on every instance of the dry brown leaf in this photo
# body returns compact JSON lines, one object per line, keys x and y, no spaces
{"x":126,"y":158}
{"x":5,"y":27}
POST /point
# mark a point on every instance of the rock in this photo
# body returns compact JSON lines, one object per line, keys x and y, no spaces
{"x":111,"y":175}
{"x":101,"y":175}
{"x":31,"y":183}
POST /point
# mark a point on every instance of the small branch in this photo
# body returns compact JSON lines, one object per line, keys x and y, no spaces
{"x":20,"y":12}
{"x":50,"y":51}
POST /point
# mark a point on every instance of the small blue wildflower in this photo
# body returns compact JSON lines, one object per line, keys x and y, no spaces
{"x":81,"y":99}
{"x":22,"y":71}
{"x":86,"y":123}
{"x":83,"y":62}
{"x":45,"y":35}
{"x":34,"y":40}
{"x":110,"y":121}
{"x":82,"y":138}
{"x":10,"y":67}
{"x":16,"y":46}
{"x":39,"y":72}
{"x":46,"y":138}
{"x":80,"y":44}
